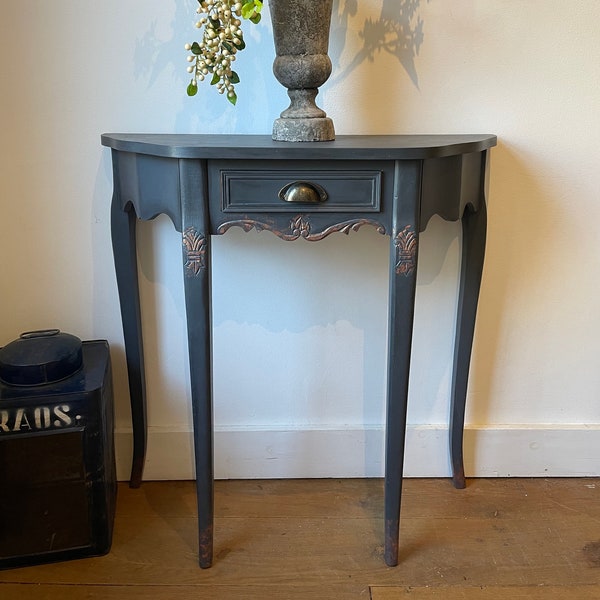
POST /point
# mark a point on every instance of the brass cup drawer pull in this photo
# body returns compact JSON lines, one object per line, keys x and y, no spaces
{"x":302,"y":192}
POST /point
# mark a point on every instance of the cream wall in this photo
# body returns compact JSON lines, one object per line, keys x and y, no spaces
{"x":299,"y":329}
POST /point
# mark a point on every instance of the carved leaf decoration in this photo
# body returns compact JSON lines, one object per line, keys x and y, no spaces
{"x":194,"y":245}
{"x":406,"y":251}
{"x":300,"y":227}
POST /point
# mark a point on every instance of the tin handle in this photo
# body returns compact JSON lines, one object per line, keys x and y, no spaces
{"x":38,"y":333}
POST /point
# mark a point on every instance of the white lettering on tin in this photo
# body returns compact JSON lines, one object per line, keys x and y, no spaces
{"x":38,"y":418}
{"x":4,"y":415}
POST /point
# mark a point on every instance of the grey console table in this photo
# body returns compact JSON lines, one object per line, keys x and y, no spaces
{"x":208,"y":184}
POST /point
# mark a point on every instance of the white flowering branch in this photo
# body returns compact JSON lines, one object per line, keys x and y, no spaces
{"x":222,"y":39}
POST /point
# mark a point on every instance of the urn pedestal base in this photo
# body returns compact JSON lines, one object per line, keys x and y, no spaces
{"x":318,"y":129}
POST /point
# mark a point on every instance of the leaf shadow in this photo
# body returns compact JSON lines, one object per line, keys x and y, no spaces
{"x":398,"y":31}
{"x":154,"y":53}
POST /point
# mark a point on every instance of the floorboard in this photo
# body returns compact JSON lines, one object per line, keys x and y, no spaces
{"x":324,"y":539}
{"x":525,"y":592}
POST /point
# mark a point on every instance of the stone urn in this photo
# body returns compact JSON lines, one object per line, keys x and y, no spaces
{"x":301,"y":35}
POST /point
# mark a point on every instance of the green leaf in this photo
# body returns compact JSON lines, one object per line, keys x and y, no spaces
{"x":248,"y":10}
{"x":227,"y":45}
{"x":232,"y":98}
{"x":240,"y":45}
{"x":251,"y":10}
{"x":215,"y":79}
{"x":234,"y":77}
{"x":192,"y":89}
{"x":195,"y":49}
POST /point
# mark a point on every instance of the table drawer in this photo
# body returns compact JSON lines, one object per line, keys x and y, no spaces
{"x":289,"y":186}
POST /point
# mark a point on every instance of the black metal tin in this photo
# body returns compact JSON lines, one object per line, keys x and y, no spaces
{"x":57,"y":463}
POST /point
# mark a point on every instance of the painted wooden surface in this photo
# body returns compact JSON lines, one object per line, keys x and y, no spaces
{"x":378,"y":147}
{"x":192,"y":179}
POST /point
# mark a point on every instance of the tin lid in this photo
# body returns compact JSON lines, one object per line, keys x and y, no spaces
{"x":40,"y":357}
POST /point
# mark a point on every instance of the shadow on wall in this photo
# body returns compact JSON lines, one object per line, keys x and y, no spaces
{"x":162,"y":47}
{"x":523,"y":214}
{"x":398,"y":31}
{"x":159,"y":52}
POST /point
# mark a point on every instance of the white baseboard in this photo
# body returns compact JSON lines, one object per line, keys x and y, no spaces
{"x":502,"y":451}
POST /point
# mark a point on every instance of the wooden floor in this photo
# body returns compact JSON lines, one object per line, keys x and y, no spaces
{"x":322,"y":539}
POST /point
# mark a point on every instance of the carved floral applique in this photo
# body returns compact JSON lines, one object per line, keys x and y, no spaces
{"x":406,"y":251}
{"x":195,"y":251}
